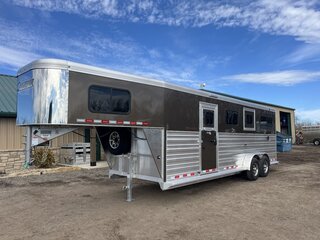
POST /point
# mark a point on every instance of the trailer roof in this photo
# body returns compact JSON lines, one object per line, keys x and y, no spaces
{"x":77,"y":67}
{"x":8,"y":92}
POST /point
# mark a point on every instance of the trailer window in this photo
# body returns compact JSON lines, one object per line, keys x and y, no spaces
{"x":231,"y":117}
{"x":249,"y":119}
{"x":266,"y":124}
{"x":266,"y":121}
{"x":108,"y":100}
{"x":208,"y":118}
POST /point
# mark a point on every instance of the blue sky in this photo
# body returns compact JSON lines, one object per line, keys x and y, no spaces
{"x":267,"y":50}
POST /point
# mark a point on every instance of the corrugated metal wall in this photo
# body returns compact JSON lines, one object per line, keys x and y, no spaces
{"x":68,"y":138}
{"x":11,"y":136}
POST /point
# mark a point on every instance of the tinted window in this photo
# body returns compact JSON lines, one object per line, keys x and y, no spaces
{"x":231,"y":117}
{"x":266,"y":120}
{"x":208,"y":118}
{"x":266,"y":124}
{"x":108,"y":100}
{"x":120,"y":100}
{"x":249,"y":119}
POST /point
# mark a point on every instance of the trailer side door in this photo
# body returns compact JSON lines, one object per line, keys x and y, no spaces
{"x":208,"y":133}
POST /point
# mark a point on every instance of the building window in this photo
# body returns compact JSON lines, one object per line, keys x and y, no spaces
{"x":208,"y":118}
{"x":249,"y":122}
{"x":109,"y":100}
{"x":231,"y":117}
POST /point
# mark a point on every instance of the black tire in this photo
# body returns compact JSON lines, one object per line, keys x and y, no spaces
{"x":119,"y":141}
{"x":264,"y":167}
{"x":316,"y":142}
{"x":253,"y":173}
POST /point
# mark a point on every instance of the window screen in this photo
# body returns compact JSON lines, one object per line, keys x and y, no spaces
{"x":249,"y":121}
{"x":231,"y":117}
{"x":108,"y":100}
{"x":208,"y":118}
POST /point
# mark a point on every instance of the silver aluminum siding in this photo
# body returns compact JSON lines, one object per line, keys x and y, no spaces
{"x":233,"y":144}
{"x":182,"y":153}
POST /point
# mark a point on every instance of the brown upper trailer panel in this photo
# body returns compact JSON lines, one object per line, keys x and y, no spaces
{"x":82,"y":68}
{"x":61,"y":91}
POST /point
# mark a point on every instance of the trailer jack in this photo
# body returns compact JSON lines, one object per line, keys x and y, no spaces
{"x":128,"y":187}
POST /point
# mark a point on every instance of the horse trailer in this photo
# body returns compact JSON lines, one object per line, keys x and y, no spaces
{"x":311,"y":134}
{"x":149,"y":129}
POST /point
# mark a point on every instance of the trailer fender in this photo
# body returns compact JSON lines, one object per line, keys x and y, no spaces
{"x":247,"y":158}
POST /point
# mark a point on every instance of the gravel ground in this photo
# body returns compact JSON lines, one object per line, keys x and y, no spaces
{"x":87,"y":205}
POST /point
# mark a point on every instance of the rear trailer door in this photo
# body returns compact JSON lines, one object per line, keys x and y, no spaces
{"x":208,"y":128}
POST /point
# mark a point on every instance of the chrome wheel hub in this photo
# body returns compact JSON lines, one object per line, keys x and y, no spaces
{"x":265,"y":167}
{"x":255,"y":169}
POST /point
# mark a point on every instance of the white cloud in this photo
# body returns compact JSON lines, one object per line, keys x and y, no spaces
{"x":23,"y":44}
{"x":306,"y":53}
{"x":308,"y":116}
{"x":300,"y":19}
{"x":16,"y":58}
{"x":281,"y":78}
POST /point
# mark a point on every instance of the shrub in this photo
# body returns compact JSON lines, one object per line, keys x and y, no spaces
{"x":43,"y":158}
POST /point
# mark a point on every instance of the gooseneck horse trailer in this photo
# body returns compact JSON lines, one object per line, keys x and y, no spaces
{"x":149,"y":129}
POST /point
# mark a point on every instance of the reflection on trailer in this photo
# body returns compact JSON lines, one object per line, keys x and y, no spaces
{"x":150,"y":129}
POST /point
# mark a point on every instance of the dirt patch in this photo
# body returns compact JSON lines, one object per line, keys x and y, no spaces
{"x":39,"y":171}
{"x":86,"y":204}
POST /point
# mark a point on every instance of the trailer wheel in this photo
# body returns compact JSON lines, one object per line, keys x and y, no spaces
{"x":316,"y":142}
{"x":264,"y":167}
{"x":119,"y":141}
{"x":253,"y":173}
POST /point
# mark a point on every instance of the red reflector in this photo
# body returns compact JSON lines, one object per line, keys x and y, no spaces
{"x":119,"y":122}
{"x":185,"y":175}
{"x":145,"y":124}
{"x":105,"y":121}
{"x":192,"y":174}
{"x":89,"y":120}
{"x":133,"y":123}
{"x":176,"y":176}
